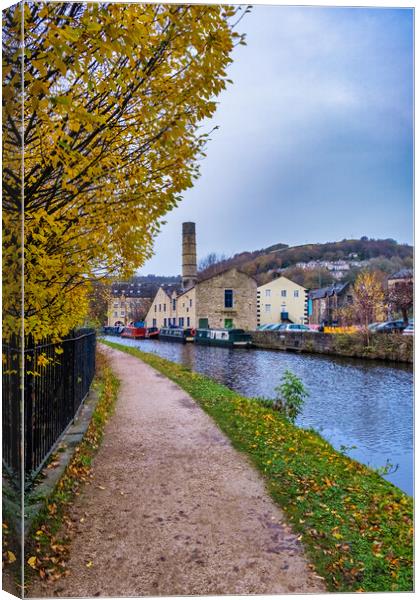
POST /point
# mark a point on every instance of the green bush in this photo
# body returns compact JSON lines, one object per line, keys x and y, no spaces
{"x":291,"y":396}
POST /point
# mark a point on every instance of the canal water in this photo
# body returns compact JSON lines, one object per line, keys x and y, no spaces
{"x":365,"y":406}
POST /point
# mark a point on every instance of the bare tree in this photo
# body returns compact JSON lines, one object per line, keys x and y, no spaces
{"x":210,"y":260}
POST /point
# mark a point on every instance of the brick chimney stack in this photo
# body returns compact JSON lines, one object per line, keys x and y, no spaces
{"x":189,"y":256}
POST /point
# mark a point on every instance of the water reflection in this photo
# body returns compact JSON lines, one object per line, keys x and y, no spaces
{"x":352,"y":402}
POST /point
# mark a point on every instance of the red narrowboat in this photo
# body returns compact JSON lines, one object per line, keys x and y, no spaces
{"x":136,"y":333}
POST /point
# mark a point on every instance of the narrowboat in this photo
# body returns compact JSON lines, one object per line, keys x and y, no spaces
{"x":136,"y":333}
{"x":176,"y":334}
{"x":112,"y":330}
{"x":231,"y":338}
{"x":152,"y":333}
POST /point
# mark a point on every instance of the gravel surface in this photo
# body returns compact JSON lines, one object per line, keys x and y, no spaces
{"x":173,"y":508}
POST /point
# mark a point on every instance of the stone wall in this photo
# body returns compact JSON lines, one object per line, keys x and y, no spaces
{"x":210,"y":300}
{"x":391,"y":347}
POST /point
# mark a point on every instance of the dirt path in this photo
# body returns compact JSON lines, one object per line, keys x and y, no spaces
{"x":182,"y":512}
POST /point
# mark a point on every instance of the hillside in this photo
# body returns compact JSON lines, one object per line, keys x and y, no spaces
{"x":385,"y":256}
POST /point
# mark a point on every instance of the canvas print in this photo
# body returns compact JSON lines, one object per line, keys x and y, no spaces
{"x":208,"y":320}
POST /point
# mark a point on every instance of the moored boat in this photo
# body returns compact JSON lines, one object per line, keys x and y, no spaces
{"x":136,"y":333}
{"x":112,"y":330}
{"x":231,"y":338}
{"x":176,"y":334}
{"x":152,"y":333}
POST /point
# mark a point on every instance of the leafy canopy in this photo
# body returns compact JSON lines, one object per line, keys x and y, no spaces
{"x":113,"y":98}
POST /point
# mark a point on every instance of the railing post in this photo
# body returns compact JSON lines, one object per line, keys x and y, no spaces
{"x":28,"y":423}
{"x":74,"y":354}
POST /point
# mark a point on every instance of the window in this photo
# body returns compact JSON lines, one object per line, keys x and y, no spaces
{"x":160,"y":307}
{"x":228,"y":298}
{"x":267,"y":293}
{"x":228,"y":323}
{"x":174,"y":304}
{"x":188,"y":321}
{"x":190,"y":302}
{"x":115,"y":304}
{"x":164,"y":322}
{"x":154,"y":323}
{"x":164,"y":308}
{"x":181,"y":321}
{"x":123,"y":313}
{"x":284,"y":293}
{"x":155,"y":307}
{"x":268,"y":308}
{"x":296,"y":293}
{"x":115,"y":313}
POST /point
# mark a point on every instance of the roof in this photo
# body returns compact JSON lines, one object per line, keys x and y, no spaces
{"x":336,"y":288}
{"x":222,"y":272}
{"x":402,"y":274}
{"x":273,"y":281}
{"x":170,"y":288}
{"x":131,"y":290}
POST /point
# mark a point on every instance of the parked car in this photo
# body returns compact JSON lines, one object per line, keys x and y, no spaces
{"x":409,"y":330}
{"x":296,"y":327}
{"x":373,"y":326}
{"x":391,"y":327}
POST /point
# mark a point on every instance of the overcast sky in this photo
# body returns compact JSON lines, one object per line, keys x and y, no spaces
{"x":315,"y":137}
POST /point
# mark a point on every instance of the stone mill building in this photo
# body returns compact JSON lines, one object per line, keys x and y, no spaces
{"x":225,"y":300}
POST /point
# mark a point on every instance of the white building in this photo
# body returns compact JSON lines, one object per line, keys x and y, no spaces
{"x":282,"y":300}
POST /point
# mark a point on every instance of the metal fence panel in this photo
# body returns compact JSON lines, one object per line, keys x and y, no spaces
{"x":57,"y":378}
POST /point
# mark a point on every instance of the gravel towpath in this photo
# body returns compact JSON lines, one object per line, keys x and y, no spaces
{"x":181,"y":513}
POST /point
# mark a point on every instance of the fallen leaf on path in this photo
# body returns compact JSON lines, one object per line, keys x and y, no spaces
{"x":11,"y":557}
{"x":32,"y":562}
{"x":89,"y":564}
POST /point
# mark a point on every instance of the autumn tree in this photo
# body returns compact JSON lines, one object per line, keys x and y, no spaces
{"x":401,"y":298}
{"x":113,"y":97}
{"x":368,"y":300}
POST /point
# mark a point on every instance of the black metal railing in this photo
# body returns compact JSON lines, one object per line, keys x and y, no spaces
{"x":57,"y":377}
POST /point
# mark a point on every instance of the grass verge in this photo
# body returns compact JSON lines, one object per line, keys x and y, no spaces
{"x":47,"y":549}
{"x":357,"y":528}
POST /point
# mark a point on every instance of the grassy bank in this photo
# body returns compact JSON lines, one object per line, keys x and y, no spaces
{"x":357,"y":527}
{"x":47,"y":548}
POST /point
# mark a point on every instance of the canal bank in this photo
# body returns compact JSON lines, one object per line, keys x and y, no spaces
{"x":387,"y":347}
{"x":356,"y":526}
{"x":365,"y":406}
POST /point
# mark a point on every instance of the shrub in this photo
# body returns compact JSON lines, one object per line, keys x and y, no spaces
{"x":291,"y":396}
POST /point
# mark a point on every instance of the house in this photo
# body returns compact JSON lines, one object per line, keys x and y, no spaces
{"x":323,"y":303}
{"x":282,"y":300}
{"x":162,"y":311}
{"x":128,"y":302}
{"x":227,"y":299}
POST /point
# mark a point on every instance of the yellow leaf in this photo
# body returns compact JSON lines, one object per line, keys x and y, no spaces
{"x":89,"y":564}
{"x":10,"y":556}
{"x":32,"y":562}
